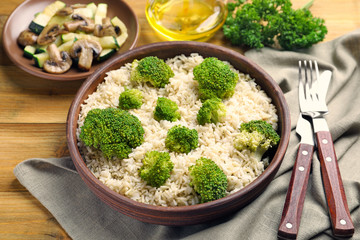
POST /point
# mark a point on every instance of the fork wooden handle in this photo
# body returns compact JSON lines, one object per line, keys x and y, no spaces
{"x":342,"y":224}
{"x":294,"y":202}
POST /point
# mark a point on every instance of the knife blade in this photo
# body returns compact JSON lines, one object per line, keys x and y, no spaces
{"x":294,"y":202}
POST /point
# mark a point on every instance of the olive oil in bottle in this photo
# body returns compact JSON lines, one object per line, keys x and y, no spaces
{"x":196,"y":20}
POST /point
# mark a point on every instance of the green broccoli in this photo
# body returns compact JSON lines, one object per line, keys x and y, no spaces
{"x":259,"y":23}
{"x":151,"y":69}
{"x":208,"y":180}
{"x":215,"y":78}
{"x":113,"y":131}
{"x":166,"y":110}
{"x":181,"y":139}
{"x":130,"y":99}
{"x":212,"y":111}
{"x":257,"y":136}
{"x":156,"y":168}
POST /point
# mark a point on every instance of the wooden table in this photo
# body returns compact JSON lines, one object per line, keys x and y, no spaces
{"x":33,"y":113}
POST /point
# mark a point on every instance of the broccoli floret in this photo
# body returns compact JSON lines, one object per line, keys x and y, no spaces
{"x":113,"y":131}
{"x":208,"y":180}
{"x":257,"y":136}
{"x":166,"y":110}
{"x":153,"y":70}
{"x":130,"y":99}
{"x":156,"y":168}
{"x":215,"y":78}
{"x":181,"y":139}
{"x":212,"y":111}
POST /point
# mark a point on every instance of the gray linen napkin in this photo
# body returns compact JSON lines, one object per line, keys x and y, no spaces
{"x":56,"y":184}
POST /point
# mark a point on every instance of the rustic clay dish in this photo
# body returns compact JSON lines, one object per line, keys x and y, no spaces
{"x":22,"y":16}
{"x":188,"y":214}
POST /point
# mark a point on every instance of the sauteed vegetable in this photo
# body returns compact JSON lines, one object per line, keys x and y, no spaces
{"x":61,"y":36}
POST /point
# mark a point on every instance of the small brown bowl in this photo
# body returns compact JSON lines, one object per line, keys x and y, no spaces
{"x":184,"y":215}
{"x":22,"y":16}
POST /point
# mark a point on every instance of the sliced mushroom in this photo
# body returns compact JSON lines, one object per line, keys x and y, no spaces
{"x":63,"y":31}
{"x":106,"y":21}
{"x":59,"y":62}
{"x":48,"y":34}
{"x":66,"y":11}
{"x":81,"y":23}
{"x":85,"y":50}
{"x":97,"y":30}
{"x":87,"y":28}
{"x":106,"y":29}
{"x":27,"y":37}
{"x":73,"y":25}
{"x":89,"y":25}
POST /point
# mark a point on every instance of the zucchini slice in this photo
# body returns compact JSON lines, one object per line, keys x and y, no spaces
{"x":105,"y":42}
{"x":68,"y":37}
{"x":29,"y":51}
{"x":115,"y":21}
{"x":86,"y":12}
{"x":39,"y":23}
{"x":121,"y":39}
{"x":66,"y":46}
{"x":43,"y":18}
{"x":108,"y":42}
{"x":76,"y":36}
{"x":58,"y":41}
{"x":40,"y":49}
{"x":106,"y":54}
{"x":60,"y":20}
{"x":100,"y":13}
{"x":51,"y":9}
{"x":40,"y":59}
{"x":93,"y":8}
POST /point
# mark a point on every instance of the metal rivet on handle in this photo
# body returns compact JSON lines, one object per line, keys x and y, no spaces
{"x":301,"y":168}
{"x":324,"y":141}
{"x":289,"y":225}
{"x":342,"y":222}
{"x":328,"y":159}
{"x":305,"y":153}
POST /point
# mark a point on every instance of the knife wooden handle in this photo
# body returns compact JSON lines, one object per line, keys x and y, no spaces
{"x":294,"y":202}
{"x":342,"y":224}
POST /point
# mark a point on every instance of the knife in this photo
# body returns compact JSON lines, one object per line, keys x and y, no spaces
{"x":294,"y":202}
{"x":341,"y":221}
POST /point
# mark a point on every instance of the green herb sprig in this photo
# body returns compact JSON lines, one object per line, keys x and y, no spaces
{"x":262,"y":23}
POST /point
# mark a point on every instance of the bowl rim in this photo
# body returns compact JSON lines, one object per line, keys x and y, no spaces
{"x":56,"y":77}
{"x":86,"y":174}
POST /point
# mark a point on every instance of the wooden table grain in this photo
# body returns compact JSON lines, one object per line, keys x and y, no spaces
{"x":33,"y":114}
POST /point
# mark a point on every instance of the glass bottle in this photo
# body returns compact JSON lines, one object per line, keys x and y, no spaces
{"x":195,"y":20}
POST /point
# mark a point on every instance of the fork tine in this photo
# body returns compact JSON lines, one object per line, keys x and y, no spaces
{"x":314,"y":89}
{"x":311,"y":76}
{"x":308,"y":79}
{"x":301,"y":87}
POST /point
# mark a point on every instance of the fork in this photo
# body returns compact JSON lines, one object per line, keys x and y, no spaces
{"x":313,"y":104}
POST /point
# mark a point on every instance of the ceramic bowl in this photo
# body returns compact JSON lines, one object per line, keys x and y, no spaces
{"x":184,"y":215}
{"x":21,"y":17}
